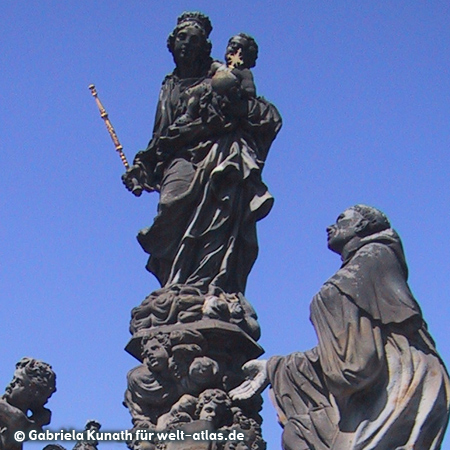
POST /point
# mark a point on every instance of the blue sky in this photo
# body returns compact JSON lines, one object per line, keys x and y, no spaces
{"x":364,"y":91}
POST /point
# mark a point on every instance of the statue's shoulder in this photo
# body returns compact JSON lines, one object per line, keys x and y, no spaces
{"x":169,"y":78}
{"x":12,"y":417}
{"x":376,"y":251}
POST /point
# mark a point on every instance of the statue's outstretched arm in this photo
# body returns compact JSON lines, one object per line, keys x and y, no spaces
{"x":256,"y":381}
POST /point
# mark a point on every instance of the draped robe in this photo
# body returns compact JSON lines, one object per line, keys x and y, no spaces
{"x":375,"y":379}
{"x":208,"y":174}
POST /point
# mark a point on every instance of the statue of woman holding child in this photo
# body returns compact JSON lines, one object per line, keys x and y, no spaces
{"x":209,"y":144}
{"x":210,"y":141}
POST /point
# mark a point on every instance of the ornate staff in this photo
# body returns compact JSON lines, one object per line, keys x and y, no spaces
{"x":109,"y":127}
{"x":137,"y":189}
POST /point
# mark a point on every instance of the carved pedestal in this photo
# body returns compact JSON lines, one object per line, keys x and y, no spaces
{"x":192,"y":348}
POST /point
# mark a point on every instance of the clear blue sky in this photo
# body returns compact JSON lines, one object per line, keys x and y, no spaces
{"x":364,"y":91}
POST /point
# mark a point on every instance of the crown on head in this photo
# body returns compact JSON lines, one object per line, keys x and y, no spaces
{"x":197,"y":17}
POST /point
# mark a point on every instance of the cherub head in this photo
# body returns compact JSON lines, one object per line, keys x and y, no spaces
{"x":214,"y":405}
{"x":203,"y":370}
{"x":32,"y":385}
{"x":241,"y":52}
{"x":249,"y":428}
{"x":155,"y":352}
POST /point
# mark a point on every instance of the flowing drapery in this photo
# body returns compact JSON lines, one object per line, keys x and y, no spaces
{"x":375,"y":380}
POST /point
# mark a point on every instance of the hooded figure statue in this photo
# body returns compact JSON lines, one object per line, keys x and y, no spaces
{"x":375,"y":379}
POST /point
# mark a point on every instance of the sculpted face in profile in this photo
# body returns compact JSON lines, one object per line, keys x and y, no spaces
{"x":352,"y":225}
{"x":17,"y":392}
{"x":375,"y":379}
{"x":344,"y":230}
{"x":22,"y":404}
{"x":32,"y":385}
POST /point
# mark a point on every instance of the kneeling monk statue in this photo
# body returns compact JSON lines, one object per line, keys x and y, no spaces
{"x":375,"y":379}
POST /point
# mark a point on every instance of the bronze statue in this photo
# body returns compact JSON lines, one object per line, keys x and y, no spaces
{"x":375,"y":379}
{"x":22,"y":404}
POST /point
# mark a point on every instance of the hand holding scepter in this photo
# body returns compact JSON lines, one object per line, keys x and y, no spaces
{"x":135,"y":187}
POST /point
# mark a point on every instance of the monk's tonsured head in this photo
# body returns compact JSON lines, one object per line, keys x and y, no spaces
{"x":355,"y":222}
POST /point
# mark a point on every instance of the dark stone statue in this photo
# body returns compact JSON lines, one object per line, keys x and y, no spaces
{"x":375,"y":379}
{"x":91,"y":425}
{"x":181,"y":371}
{"x":22,"y":404}
{"x":205,"y":158}
{"x":210,"y":141}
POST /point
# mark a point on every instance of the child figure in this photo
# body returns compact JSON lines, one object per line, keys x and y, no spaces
{"x":230,"y":80}
{"x":22,"y":404}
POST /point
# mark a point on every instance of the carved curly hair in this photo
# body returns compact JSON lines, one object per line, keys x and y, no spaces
{"x":251,"y":50}
{"x":220,"y":398}
{"x":40,"y":374}
{"x":162,"y":338}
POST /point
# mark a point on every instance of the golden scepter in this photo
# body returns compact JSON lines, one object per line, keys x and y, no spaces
{"x":137,"y":189}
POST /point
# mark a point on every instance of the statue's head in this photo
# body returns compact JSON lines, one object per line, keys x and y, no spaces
{"x":214,"y":405}
{"x":188,"y":42}
{"x":249,"y":428}
{"x":155,"y":352}
{"x":203,"y":370}
{"x":32,"y":385}
{"x":357,"y":221}
{"x":248,"y":48}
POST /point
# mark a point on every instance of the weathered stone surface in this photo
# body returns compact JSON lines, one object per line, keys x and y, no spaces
{"x":183,"y":368}
{"x":186,"y":304}
{"x":210,"y":141}
{"x":22,"y":404}
{"x":221,"y":337}
{"x":375,"y":379}
{"x":207,"y":171}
